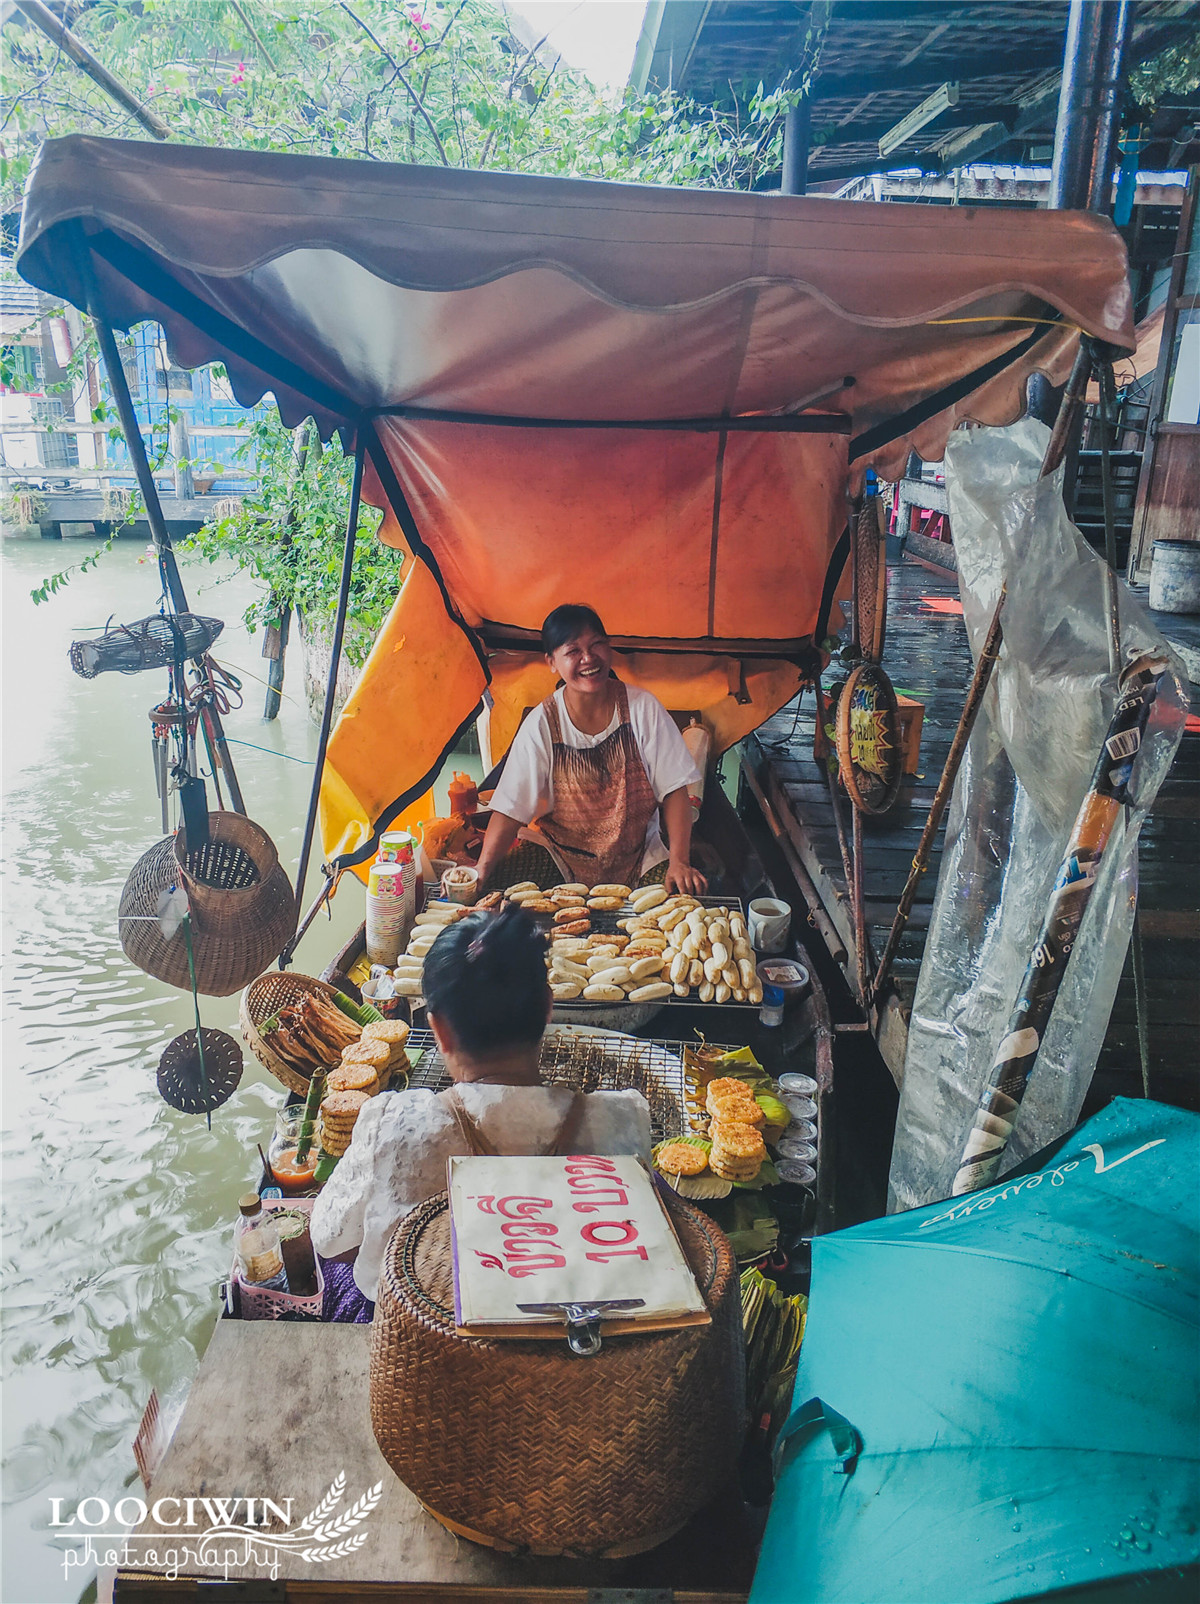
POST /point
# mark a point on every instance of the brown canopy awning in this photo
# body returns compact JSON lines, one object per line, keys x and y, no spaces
{"x":644,"y":398}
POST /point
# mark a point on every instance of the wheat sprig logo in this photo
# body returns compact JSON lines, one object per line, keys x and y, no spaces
{"x":326,"y":1533}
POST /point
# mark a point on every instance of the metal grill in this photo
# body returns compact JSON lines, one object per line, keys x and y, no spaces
{"x":596,"y":1061}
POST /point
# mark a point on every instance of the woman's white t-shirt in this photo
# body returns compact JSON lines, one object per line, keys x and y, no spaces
{"x":526,"y":788}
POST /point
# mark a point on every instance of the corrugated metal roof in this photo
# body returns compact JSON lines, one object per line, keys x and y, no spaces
{"x":879,"y":59}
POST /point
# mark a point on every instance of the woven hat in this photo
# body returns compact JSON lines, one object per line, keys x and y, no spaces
{"x":242,"y":910}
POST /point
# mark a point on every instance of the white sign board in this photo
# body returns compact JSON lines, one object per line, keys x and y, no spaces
{"x":575,"y":1229}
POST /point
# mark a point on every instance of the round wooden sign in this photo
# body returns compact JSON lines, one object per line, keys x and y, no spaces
{"x":870,"y":755}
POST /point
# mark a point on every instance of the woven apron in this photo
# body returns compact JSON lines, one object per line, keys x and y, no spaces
{"x":603,"y":802}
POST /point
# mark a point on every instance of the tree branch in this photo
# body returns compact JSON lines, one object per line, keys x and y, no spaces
{"x":254,"y":34}
{"x":408,"y":88}
{"x":441,"y":38}
{"x":46,"y":22}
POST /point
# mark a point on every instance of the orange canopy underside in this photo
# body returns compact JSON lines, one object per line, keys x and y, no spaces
{"x":356,"y":291}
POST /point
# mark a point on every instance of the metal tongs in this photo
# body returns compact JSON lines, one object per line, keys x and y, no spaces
{"x":583,"y":1320}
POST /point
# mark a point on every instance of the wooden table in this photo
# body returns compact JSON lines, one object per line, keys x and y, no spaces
{"x":278,"y":1410}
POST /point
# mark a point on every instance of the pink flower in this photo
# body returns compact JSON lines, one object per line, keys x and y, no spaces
{"x":239,"y":73}
{"x":413,"y":45}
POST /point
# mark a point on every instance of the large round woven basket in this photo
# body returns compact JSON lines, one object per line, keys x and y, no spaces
{"x":521,"y":1445}
{"x":239,"y":899}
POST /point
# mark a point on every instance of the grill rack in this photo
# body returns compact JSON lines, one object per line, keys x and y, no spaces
{"x":591,"y":1060}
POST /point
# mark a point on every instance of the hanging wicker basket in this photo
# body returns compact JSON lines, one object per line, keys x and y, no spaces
{"x":604,"y":1456}
{"x":240,"y":901}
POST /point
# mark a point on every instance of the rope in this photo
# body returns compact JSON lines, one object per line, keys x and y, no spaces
{"x":187,"y":936}
{"x":224,"y":687}
{"x":269,"y":750}
{"x":1048,"y":322}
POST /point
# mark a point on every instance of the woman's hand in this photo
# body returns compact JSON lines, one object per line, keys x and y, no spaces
{"x":498,"y":838}
{"x":682,"y":877}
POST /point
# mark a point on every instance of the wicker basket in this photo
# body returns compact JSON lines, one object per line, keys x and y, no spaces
{"x":522,"y":1446}
{"x":262,"y":1000}
{"x":240,"y":900}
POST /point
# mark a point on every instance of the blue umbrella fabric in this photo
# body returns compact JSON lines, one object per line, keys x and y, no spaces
{"x":999,"y":1395}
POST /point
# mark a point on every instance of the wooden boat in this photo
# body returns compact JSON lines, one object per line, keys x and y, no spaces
{"x":657,"y":400}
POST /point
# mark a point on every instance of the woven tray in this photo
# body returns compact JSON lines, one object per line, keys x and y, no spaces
{"x":602,"y":1456}
{"x":262,"y":1000}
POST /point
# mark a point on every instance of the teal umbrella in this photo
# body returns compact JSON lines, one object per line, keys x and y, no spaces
{"x":998,"y":1395}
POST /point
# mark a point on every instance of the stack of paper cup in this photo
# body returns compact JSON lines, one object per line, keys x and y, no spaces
{"x":390,"y":911}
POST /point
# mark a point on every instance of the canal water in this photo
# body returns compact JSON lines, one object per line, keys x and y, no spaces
{"x":117,"y":1210}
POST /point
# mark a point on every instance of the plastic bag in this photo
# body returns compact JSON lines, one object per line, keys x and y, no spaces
{"x":1024,"y":775}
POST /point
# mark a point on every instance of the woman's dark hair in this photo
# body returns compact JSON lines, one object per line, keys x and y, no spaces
{"x":566,"y":623}
{"x":485,"y":976}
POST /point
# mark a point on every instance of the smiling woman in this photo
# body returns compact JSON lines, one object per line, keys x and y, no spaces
{"x":595,"y":765}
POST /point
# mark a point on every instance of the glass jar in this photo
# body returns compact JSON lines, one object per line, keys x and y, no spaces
{"x":291,"y":1177}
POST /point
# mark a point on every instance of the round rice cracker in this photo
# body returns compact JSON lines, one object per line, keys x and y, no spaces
{"x":736,"y":1141}
{"x":681,"y":1158}
{"x":737,"y":1111}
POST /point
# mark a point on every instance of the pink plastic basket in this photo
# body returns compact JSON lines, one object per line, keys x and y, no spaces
{"x":264,"y":1303}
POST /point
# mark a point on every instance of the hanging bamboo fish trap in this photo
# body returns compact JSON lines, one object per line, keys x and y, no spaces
{"x":155,"y":642}
{"x":604,"y":1456}
{"x":240,"y":900}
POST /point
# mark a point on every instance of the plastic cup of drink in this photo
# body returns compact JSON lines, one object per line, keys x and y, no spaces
{"x":801,"y":1130}
{"x":803,"y":1085}
{"x":799,"y":1107}
{"x":799,"y":1174}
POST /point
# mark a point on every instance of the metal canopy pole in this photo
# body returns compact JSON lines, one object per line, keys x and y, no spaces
{"x":1089,"y":105}
{"x":168,"y":568}
{"x":339,"y":630}
{"x":795,"y":149}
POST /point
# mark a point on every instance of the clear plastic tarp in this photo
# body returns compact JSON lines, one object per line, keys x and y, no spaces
{"x":1026,"y":770}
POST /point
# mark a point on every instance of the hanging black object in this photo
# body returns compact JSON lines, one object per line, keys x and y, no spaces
{"x":156,"y":642}
{"x":193,"y":800}
{"x":196,"y":1084}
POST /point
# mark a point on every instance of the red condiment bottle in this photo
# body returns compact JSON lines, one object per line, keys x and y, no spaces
{"x":463,"y":794}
